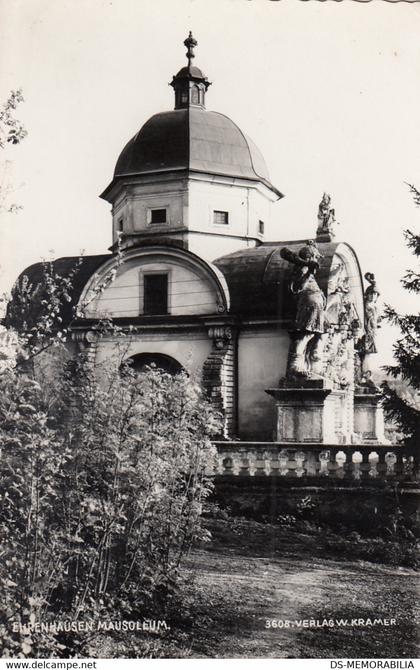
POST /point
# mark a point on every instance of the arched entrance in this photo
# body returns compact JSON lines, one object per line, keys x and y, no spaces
{"x":140,"y":362}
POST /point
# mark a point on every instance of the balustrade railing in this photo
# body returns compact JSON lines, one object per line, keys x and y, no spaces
{"x":355,"y":462}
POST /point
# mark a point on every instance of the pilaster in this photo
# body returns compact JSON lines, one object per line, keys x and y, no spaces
{"x":219,"y":375}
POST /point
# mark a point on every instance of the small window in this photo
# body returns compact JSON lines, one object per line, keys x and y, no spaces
{"x":155,"y":294}
{"x":261,"y":227}
{"x":120,"y":225}
{"x":195,"y":95}
{"x":158,"y":215}
{"x":220,"y":218}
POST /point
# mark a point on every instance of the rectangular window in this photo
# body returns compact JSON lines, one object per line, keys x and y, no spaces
{"x":155,"y":294}
{"x":120,"y":225}
{"x":261,"y":227}
{"x":220,"y":218}
{"x":158,"y":215}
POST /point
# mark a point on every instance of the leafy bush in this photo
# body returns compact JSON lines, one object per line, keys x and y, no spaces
{"x":104,"y":474}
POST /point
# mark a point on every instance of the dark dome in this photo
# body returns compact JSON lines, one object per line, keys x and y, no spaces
{"x":190,"y":71}
{"x":193,"y":139}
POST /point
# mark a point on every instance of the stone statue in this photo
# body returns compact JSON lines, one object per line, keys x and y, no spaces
{"x":368,"y":384}
{"x":371,"y":315}
{"x":305,"y":353}
{"x":338,"y":292}
{"x":326,"y":219}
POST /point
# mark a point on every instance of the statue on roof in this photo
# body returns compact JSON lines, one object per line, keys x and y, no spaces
{"x":305,"y":353}
{"x":326,"y":220}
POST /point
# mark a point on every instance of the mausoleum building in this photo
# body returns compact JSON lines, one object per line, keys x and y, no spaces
{"x":279,"y":332}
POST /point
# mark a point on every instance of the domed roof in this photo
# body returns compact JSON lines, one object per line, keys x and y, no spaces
{"x":258,"y":278}
{"x":190,"y":71}
{"x":192,"y":139}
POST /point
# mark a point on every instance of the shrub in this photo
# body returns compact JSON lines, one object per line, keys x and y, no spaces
{"x":104,"y":474}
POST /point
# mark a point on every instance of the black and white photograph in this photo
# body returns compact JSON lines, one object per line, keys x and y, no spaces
{"x":209,"y":332}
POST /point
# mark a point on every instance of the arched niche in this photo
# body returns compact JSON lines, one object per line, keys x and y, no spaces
{"x":344,"y":285}
{"x":140,"y":363}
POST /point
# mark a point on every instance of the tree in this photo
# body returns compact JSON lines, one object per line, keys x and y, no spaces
{"x":37,"y":308}
{"x":401,"y":406}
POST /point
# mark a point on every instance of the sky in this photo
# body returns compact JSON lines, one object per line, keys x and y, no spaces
{"x":328,"y":91}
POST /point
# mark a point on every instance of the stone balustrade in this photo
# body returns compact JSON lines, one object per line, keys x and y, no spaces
{"x":354,"y":462}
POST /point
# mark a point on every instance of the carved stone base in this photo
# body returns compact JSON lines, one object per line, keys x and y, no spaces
{"x":309,"y":412}
{"x":369,"y":418}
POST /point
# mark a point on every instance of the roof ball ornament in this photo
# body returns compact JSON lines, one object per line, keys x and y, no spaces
{"x":190,"y":43}
{"x":326,"y":220}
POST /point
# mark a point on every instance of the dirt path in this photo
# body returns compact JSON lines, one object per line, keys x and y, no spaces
{"x":240,"y":593}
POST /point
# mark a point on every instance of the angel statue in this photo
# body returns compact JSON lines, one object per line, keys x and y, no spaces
{"x":305,"y":353}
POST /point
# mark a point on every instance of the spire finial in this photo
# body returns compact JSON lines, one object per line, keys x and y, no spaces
{"x":190,"y":43}
{"x":190,"y":84}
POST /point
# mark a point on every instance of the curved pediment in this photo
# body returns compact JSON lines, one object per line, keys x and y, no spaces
{"x":154,"y":281}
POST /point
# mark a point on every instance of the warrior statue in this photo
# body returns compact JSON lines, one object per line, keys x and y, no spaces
{"x":305,"y":354}
{"x":326,"y":219}
{"x":372,"y":318}
{"x":366,"y":345}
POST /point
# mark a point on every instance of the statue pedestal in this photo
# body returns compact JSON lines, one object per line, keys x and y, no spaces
{"x":309,"y":411}
{"x":368,"y":417}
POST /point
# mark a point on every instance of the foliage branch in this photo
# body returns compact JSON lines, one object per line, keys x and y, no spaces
{"x":401,"y":397}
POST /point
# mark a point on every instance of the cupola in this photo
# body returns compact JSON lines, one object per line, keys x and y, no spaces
{"x":190,"y":84}
{"x":191,"y":177}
